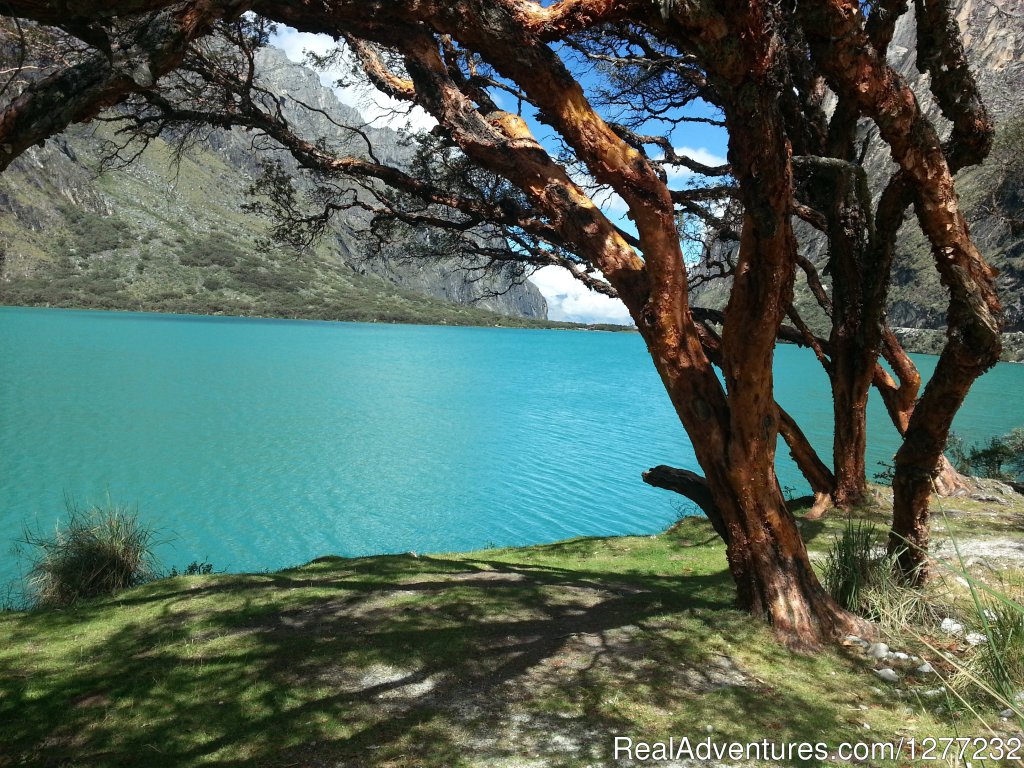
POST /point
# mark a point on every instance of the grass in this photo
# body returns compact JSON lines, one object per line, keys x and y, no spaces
{"x":511,"y":657}
{"x":851,"y":565}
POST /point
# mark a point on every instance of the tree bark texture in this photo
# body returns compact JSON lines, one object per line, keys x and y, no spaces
{"x":974,"y":318}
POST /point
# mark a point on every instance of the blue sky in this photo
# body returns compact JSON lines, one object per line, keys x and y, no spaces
{"x":567,"y":298}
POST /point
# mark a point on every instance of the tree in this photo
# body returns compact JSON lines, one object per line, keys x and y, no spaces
{"x":765,"y":66}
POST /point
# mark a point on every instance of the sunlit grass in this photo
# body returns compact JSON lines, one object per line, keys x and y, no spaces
{"x":536,"y":654}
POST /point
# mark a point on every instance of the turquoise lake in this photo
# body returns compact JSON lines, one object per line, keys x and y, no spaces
{"x":257,"y":444}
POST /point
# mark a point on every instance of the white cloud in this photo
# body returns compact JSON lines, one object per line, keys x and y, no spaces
{"x":610,"y":203}
{"x":569,"y":299}
{"x":377,"y":108}
{"x":605,"y":198}
{"x":615,"y":207}
{"x":700,"y":154}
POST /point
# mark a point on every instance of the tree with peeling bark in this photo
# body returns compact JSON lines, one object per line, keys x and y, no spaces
{"x":490,"y":181}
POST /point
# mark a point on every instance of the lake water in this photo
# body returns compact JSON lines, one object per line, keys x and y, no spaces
{"x":256,"y":444}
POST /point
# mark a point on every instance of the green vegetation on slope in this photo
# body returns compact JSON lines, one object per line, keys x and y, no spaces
{"x":216,"y":274}
{"x":175,"y":238}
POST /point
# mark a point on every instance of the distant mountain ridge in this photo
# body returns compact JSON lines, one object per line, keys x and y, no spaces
{"x":157,"y":236}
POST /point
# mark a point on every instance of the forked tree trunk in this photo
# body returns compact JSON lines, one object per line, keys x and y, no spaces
{"x":838,"y":190}
{"x":858,"y":73}
{"x":767,"y":556}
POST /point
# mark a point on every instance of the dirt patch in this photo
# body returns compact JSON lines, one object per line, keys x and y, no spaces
{"x":988,"y":551}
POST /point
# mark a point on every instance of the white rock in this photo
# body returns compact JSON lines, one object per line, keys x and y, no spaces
{"x":932,"y":693}
{"x":925,"y":669}
{"x":888,"y":675}
{"x":1006,"y":714}
{"x":878,"y":650}
{"x":899,"y":655}
{"x":975,"y":638}
{"x":951,"y":627}
{"x":854,"y":640}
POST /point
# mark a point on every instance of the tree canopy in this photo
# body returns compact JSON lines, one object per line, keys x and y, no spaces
{"x":614,"y":82}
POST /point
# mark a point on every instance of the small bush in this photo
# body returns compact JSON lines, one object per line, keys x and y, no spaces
{"x":195,"y":568}
{"x":1001,"y":458}
{"x":96,"y":551}
{"x":210,"y":251}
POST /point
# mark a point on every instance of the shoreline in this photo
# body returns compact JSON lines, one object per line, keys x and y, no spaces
{"x":515,"y":323}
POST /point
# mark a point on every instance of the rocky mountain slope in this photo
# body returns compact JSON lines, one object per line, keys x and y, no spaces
{"x":992,"y":194}
{"x":161,"y":235}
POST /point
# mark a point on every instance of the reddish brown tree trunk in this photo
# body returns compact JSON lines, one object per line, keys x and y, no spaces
{"x":734,"y":438}
{"x":820,"y":477}
{"x":858,"y":73}
{"x":767,"y":557}
{"x":837,"y":189}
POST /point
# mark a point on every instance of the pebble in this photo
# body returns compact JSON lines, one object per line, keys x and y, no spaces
{"x":925,"y":669}
{"x":899,"y":655}
{"x":888,"y":675}
{"x":951,"y":627}
{"x":878,"y":650}
{"x":1006,"y":714}
{"x":975,"y":638}
{"x":932,"y":693}
{"x":854,"y":640}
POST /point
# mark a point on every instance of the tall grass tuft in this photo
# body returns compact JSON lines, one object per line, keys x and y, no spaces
{"x":97,"y":551}
{"x":852,"y":566}
{"x":861,"y":576}
{"x":999,"y":661}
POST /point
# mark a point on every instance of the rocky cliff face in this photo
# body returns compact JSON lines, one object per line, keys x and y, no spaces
{"x":992,"y":195}
{"x":157,"y":235}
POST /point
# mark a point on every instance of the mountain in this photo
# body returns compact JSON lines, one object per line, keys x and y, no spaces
{"x":169,"y":233}
{"x":992,"y":194}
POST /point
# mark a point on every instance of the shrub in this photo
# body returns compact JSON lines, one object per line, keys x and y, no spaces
{"x":96,"y":551}
{"x":1002,"y":458}
{"x":209,"y":251}
{"x":195,"y":568}
{"x":94,"y":233}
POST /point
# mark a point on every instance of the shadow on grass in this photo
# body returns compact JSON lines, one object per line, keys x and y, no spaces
{"x":397,"y":661}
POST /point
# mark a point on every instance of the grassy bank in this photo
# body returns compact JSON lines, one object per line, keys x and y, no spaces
{"x":514,"y":657}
